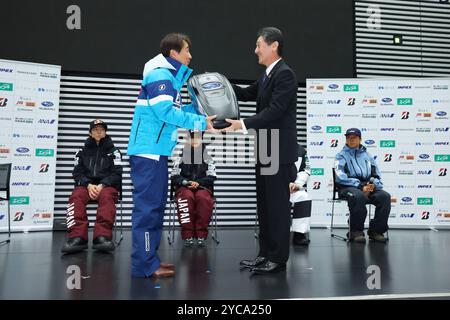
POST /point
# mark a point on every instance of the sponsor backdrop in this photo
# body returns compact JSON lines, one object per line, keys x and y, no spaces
{"x":29,"y":102}
{"x":405,"y":126}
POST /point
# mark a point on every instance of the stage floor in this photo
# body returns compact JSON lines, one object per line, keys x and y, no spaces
{"x":413,"y":263}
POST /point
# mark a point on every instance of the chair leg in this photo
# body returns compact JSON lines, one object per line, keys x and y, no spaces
{"x":171,"y":235}
{"x":121,"y":226}
{"x":214,"y":235}
{"x":9,"y":228}
{"x":256,"y":227}
{"x":333,"y":235}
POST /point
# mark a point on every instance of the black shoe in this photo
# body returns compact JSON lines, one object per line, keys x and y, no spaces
{"x":73,"y":245}
{"x":269,"y":267}
{"x":300,"y":239}
{"x":377,"y":237}
{"x":104,"y":244}
{"x":357,"y":236}
{"x":253,"y":263}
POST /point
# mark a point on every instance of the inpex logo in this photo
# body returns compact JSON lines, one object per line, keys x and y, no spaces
{"x":424,"y":172}
{"x":20,"y":184}
{"x":387,"y":157}
{"x":333,"y":115}
{"x":334,"y":143}
{"x":387,"y":129}
{"x":334,"y":101}
{"x":442,"y":129}
{"x":441,"y":113}
{"x":441,"y":143}
{"x":47,"y":104}
{"x":316,"y":143}
{"x":424,"y":186}
{"x":404,"y":87}
{"x":316,"y":157}
{"x":6,"y":70}
{"x":406,"y":199}
{"x":21,"y":168}
{"x":405,"y":115}
{"x":45,"y":136}
{"x":424,"y":156}
{"x":351,"y":101}
{"x":22,"y":150}
{"x":425,"y":215}
{"x":46,"y":121}
{"x":369,"y":142}
{"x":387,"y":115}
{"x":442,"y":172}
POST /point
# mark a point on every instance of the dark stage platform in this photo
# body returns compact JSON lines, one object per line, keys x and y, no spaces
{"x":415,"y":264}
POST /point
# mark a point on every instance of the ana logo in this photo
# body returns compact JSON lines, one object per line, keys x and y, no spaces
{"x":406,"y":199}
{"x":441,"y":113}
{"x":387,"y":115}
{"x":404,"y":101}
{"x":316,"y":185}
{"x":424,"y":172}
{"x":44,"y":168}
{"x":44,"y":152}
{"x":333,"y":86}
{"x":3,"y":102}
{"x":442,"y":172}
{"x":351,"y":87}
{"x":47,"y":121}
{"x":425,"y":215}
{"x":18,"y":216}
{"x":369,"y":142}
{"x":316,"y":143}
{"x":334,"y":143}
{"x":47,"y":104}
{"x":21,"y":168}
{"x":317,"y":171}
{"x":387,"y":143}
{"x":405,"y":115}
{"x":424,"y":156}
{"x":316,"y":128}
{"x":387,"y":157}
{"x":351,"y":101}
{"x":407,"y":215}
{"x":425,"y":201}
{"x":334,"y":129}
{"x":20,"y":200}
{"x":334,"y":101}
{"x":442,"y":129}
{"x":6,"y":70}
{"x":386,"y":100}
{"x":22,"y":150}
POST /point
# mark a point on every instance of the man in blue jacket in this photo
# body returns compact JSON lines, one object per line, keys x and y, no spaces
{"x":157,"y":115}
{"x":358,"y":178}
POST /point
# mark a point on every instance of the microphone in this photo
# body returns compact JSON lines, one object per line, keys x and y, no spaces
{"x":371,"y":180}
{"x":185,"y":183}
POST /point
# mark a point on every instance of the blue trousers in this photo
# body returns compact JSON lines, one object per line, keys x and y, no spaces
{"x":150,"y":181}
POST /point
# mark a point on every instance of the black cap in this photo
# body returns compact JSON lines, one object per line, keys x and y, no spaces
{"x":354,"y":131}
{"x":97,"y":122}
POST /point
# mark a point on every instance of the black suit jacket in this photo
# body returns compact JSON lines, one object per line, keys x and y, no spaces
{"x":276,"y":105}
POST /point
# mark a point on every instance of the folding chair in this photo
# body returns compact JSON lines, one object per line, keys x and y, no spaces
{"x":173,"y":213}
{"x":5,"y":177}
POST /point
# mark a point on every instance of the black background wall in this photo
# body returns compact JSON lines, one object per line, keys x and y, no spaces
{"x":120,"y":36}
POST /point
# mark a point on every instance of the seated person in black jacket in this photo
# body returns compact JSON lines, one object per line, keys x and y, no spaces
{"x":97,"y":174}
{"x":193,"y":175}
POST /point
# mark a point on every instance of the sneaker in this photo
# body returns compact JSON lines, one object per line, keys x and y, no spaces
{"x":357,"y":236}
{"x":73,"y":245}
{"x":189,"y":242}
{"x":201,"y":242}
{"x":377,"y":237}
{"x":103,"y":244}
{"x":300,"y":239}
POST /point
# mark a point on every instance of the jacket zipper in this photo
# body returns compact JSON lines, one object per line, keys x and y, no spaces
{"x":137,"y":130}
{"x":360,"y":169}
{"x":160,"y":131}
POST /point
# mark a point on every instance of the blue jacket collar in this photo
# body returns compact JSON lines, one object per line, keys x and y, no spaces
{"x":181,"y":72}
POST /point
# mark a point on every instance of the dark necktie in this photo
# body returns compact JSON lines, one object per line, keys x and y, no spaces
{"x":264,"y":77}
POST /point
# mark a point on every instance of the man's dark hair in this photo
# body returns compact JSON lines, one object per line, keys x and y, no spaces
{"x":270,"y":35}
{"x":173,"y":41}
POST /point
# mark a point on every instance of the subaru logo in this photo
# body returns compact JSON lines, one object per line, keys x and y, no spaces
{"x":441,"y":113}
{"x":424,"y":156}
{"x":47,"y":104}
{"x":369,"y":142}
{"x":316,"y":128}
{"x":333,"y":86}
{"x":386,"y":100}
{"x":406,"y":199}
{"x":22,"y":150}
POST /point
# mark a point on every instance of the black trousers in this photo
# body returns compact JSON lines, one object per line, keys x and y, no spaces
{"x":357,"y":201}
{"x":274,"y":212}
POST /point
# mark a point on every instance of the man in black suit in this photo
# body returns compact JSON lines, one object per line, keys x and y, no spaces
{"x":276,"y":100}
